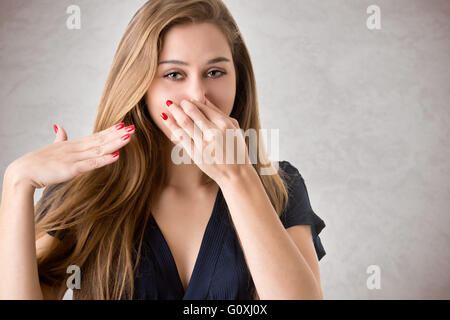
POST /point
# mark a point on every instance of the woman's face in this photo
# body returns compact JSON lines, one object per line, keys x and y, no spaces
{"x":194,"y":75}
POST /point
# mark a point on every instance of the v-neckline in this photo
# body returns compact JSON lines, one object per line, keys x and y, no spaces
{"x":208,"y":253}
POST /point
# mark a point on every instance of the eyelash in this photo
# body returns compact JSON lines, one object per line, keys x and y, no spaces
{"x":167,"y":75}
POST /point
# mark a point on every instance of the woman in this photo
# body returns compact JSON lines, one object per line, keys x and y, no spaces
{"x":140,"y":226}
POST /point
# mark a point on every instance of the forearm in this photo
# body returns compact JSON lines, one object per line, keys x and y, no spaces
{"x":18,"y":265}
{"x":278,"y":269}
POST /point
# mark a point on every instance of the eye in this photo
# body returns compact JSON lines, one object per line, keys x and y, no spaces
{"x":169,"y":75}
{"x":221,"y":73}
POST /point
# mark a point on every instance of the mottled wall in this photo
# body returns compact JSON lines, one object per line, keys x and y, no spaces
{"x":364,"y":115}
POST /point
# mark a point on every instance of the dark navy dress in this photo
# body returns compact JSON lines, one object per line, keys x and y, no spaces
{"x":220,"y":271}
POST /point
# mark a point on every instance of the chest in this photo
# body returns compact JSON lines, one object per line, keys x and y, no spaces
{"x":182,"y":220}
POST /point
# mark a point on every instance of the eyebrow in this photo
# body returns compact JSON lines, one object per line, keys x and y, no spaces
{"x":212,"y":61}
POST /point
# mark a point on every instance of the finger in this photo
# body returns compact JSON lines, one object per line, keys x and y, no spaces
{"x":101,"y":137}
{"x":94,"y":163}
{"x":104,"y":143}
{"x":216,"y":116}
{"x":61,"y":134}
{"x":185,"y":122}
{"x":200,"y":119}
{"x":210,"y":104}
{"x":193,"y":111}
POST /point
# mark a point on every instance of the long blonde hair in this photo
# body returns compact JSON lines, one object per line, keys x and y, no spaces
{"x":101,"y":215}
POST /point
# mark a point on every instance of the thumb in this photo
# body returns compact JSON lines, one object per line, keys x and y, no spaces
{"x":60,"y":133}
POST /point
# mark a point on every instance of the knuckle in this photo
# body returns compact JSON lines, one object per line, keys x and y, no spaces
{"x":100,"y":138}
{"x":184,"y":121}
{"x":59,"y":143}
{"x":199,"y":124}
{"x":92,"y":163}
{"x":98,"y":150}
{"x":209,"y":135}
{"x":235,"y":122}
{"x":63,"y":146}
{"x":72,"y":145}
{"x":189,"y":109}
{"x":222,"y":124}
{"x":75,"y":169}
{"x":184,"y":104}
{"x":205,"y":143}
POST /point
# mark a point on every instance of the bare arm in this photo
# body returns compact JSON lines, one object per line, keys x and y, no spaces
{"x":55,"y":163}
{"x":18,"y":266}
{"x":279,"y":264}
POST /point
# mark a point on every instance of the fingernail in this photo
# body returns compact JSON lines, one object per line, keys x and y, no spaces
{"x":125,"y":137}
{"x":120,"y":126}
{"x":168,"y":103}
{"x":55,"y":127}
{"x":130,"y":128}
{"x":206,"y":96}
{"x":164,"y":116}
{"x":115,"y":154}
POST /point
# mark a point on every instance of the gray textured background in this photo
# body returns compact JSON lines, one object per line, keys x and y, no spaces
{"x":364,"y":115}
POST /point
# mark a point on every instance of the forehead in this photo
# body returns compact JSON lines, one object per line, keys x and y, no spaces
{"x":193,"y":42}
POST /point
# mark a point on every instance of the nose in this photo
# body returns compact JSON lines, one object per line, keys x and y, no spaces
{"x":197,"y":90}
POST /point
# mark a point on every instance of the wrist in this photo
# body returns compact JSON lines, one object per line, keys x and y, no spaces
{"x":245,"y":175}
{"x":15,"y":181}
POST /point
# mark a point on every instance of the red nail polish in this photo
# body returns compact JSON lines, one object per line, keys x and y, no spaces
{"x":168,"y":102}
{"x":164,"y":116}
{"x":206,"y":96}
{"x":125,"y":137}
{"x":130,"y":128}
{"x":120,"y":126}
{"x":55,"y":127}
{"x":115,"y":154}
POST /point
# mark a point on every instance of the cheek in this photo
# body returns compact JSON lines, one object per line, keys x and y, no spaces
{"x":222,"y":94}
{"x":228,"y":98}
{"x":155,"y":100}
{"x":155,"y":106}
{"x":157,"y":96}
